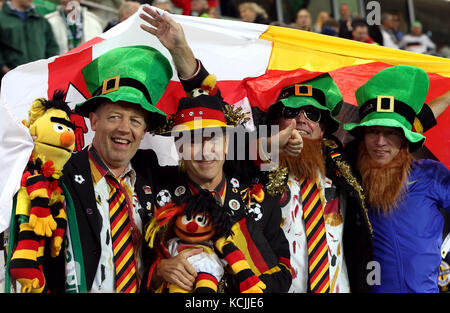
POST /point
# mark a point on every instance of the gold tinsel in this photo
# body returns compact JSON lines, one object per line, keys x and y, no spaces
{"x":235,"y":116}
{"x":346,"y":172}
{"x":277,"y":181}
{"x":166,"y":128}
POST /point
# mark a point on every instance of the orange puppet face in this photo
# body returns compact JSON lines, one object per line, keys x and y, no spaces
{"x":196,"y":229}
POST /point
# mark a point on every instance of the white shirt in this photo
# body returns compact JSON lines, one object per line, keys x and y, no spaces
{"x":92,"y":27}
{"x":104,"y":280}
{"x":418,"y":44}
{"x":387,"y":39}
{"x":293,"y":226}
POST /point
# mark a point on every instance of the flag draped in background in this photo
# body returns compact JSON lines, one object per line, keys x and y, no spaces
{"x":251,"y":61}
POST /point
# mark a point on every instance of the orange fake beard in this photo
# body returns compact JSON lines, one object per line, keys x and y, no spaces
{"x":384,"y":185}
{"x":309,"y":163}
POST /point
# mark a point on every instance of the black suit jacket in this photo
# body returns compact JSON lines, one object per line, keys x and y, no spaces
{"x":78,"y":180}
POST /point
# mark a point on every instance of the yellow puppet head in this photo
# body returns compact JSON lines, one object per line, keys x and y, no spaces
{"x":52,"y":131}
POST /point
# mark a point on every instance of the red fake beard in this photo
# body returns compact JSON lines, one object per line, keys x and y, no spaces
{"x":309,"y":163}
{"x":384,"y":185}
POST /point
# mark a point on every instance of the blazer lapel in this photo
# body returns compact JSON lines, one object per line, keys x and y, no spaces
{"x":144,"y":189}
{"x":78,"y":177}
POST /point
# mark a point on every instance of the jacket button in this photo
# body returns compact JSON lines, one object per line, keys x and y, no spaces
{"x":89,"y":211}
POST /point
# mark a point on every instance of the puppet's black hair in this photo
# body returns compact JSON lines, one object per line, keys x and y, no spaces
{"x":203,"y":202}
{"x":57,"y":102}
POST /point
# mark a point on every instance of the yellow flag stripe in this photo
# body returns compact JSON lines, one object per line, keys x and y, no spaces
{"x":293,"y":49}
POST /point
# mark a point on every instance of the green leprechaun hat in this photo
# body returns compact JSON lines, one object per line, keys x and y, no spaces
{"x":393,"y":97}
{"x":320,"y":92}
{"x":136,"y":74}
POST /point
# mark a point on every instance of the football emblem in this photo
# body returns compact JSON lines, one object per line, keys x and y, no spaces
{"x":254,"y":210}
{"x":163,"y":197}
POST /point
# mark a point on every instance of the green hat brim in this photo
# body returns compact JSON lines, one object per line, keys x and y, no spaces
{"x":126,"y":94}
{"x":416,"y":140}
{"x":293,"y":102}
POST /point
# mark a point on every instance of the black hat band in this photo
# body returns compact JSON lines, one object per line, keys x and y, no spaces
{"x":387,"y":104}
{"x":113,"y":84}
{"x":305,"y":91}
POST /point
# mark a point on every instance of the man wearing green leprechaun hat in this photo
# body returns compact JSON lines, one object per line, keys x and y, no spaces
{"x":404,"y":195}
{"x":323,"y":195}
{"x":109,"y":184}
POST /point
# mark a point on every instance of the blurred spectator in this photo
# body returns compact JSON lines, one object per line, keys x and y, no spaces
{"x":199,"y":7}
{"x":330,"y":27}
{"x":444,"y":51}
{"x":25,"y":35}
{"x":253,"y":13}
{"x":73,"y":25}
{"x":356,"y":16}
{"x":345,"y":22}
{"x":187,"y":5}
{"x":416,"y":41}
{"x":44,"y":7}
{"x":321,"y":17}
{"x":396,"y":19}
{"x":360,"y":32}
{"x":127,"y":9}
{"x":210,"y":12}
{"x":303,"y":20}
{"x":281,"y":24}
{"x":386,"y":27}
{"x":375,"y":34}
{"x":227,"y":8}
{"x":165,"y":5}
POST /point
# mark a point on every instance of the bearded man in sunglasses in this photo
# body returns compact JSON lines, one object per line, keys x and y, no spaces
{"x":322,"y":190}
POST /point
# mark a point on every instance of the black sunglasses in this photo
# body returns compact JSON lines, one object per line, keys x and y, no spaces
{"x":312,"y":114}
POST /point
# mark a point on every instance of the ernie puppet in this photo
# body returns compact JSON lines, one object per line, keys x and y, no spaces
{"x":39,"y":218}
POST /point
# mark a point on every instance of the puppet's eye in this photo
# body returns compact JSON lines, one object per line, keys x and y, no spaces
{"x":185,"y":220}
{"x":58,"y":128}
{"x":201,"y":220}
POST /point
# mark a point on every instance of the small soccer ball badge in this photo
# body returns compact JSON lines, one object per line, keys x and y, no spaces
{"x":254,"y":210}
{"x":163,"y":197}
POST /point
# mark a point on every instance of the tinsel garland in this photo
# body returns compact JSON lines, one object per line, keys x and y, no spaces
{"x":277,"y":181}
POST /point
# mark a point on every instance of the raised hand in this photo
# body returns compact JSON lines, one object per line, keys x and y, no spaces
{"x":171,"y":36}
